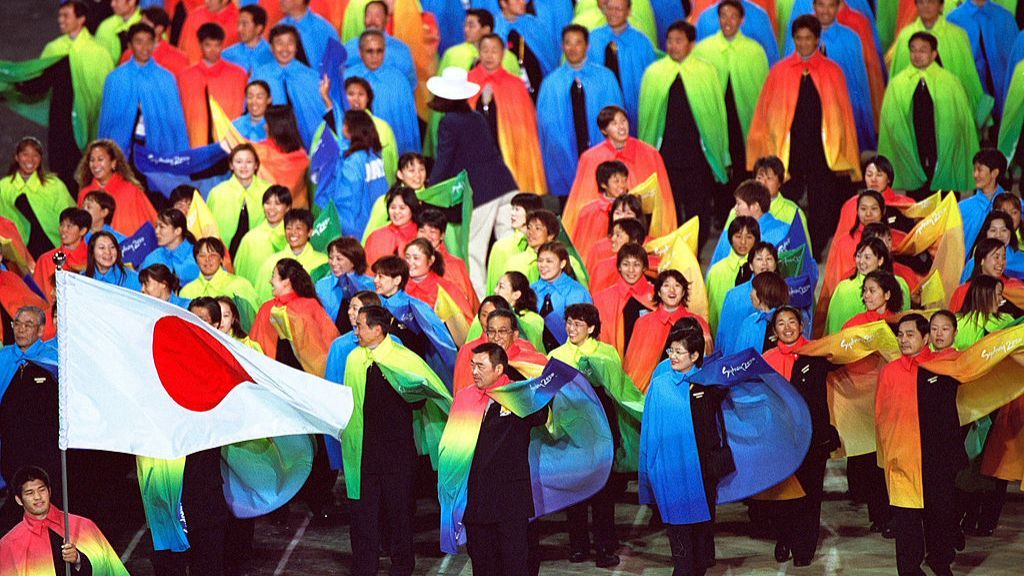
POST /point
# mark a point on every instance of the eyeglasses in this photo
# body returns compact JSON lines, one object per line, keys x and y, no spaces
{"x":19,"y":324}
{"x":577,"y":325}
{"x":676,"y":352}
{"x":502,"y":332}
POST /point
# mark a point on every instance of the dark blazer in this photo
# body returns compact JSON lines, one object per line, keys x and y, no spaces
{"x":500,"y":488}
{"x":464,"y":142}
{"x":809,"y":378}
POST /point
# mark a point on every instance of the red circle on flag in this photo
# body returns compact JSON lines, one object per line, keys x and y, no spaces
{"x":194,"y":368}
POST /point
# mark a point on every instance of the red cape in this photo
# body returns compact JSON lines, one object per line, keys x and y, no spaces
{"x":133,"y":207}
{"x":313,"y":331}
{"x":611,"y":303}
{"x":224,"y":82}
{"x":9,"y":231}
{"x":455,"y":271}
{"x":45,"y":274}
{"x":26,"y":549}
{"x":642,"y":159}
{"x":14,"y":294}
{"x":426,"y":291}
{"x":389,"y":241}
{"x":783,"y":356}
{"x":592,"y":225}
{"x":227,"y":18}
{"x":648,"y":343}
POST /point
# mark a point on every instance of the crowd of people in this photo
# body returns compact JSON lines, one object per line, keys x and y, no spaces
{"x":430,"y":201}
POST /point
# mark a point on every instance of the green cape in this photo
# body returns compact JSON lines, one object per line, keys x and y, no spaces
{"x":47,"y":201}
{"x":108,"y":33}
{"x":414,"y":381}
{"x":1013,"y":113}
{"x":784,"y":210}
{"x":315,"y":263}
{"x":257,"y":247}
{"x":973,"y":327}
{"x":955,"y":133}
{"x":226,"y":284}
{"x":225,"y":202}
{"x":601,"y":364}
{"x":741,"y":61}
{"x":721,"y":278}
{"x":957,"y":57}
{"x":706,"y":101}
{"x":846,"y":302}
{"x":502,"y":251}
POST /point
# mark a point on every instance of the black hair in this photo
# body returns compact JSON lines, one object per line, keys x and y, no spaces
{"x":299,"y":215}
{"x":77,"y":216}
{"x":282,"y":128}
{"x":678,"y":277}
{"x":211,"y":243}
{"x":577,"y":29}
{"x":209,"y":304}
{"x":496,"y":355}
{"x":739,"y":7}
{"x":351,"y":249}
{"x":807,"y":21}
{"x":27,"y":474}
{"x":888,"y":283}
{"x":362,"y":133}
{"x":692,"y":340}
{"x":685,"y":27}
{"x":587,"y":313}
{"x":366,"y":87}
{"x":925,"y":36}
{"x":484,"y":17}
{"x":771,"y":163}
{"x":377,"y":316}
{"x":259,"y":15}
{"x":211,"y":31}
{"x":140,"y":28}
{"x":106,"y":202}
{"x":282,"y":193}
{"x":527,"y":297}
{"x":920,"y":323}
{"x":433,"y":218}
{"x":392,"y":266}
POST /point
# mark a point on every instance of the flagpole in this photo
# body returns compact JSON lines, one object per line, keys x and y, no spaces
{"x":59,"y":259}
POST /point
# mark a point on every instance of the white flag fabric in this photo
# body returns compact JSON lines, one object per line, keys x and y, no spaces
{"x":142,"y":376}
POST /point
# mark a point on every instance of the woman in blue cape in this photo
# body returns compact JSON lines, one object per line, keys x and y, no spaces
{"x":347,"y":278}
{"x":680,"y":432}
{"x":175,"y":246}
{"x":768,"y":291}
{"x":556,"y":289}
{"x":105,"y":263}
{"x":764,"y":257}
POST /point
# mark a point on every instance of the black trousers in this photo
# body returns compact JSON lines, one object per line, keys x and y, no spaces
{"x":867,"y":483}
{"x":390,"y":496}
{"x":798,"y":521}
{"x":981,"y":510}
{"x":693,"y":547}
{"x":924,"y":534}
{"x":825,"y":196}
{"x":499,"y":549}
{"x":318,"y":491}
{"x":695,"y":191}
{"x":597,"y":515}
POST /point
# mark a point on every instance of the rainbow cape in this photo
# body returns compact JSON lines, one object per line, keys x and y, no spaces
{"x":861,"y":351}
{"x":259,"y":476}
{"x":941,"y":233}
{"x":570,"y":458}
{"x":414,"y":381}
{"x":678,"y":251}
{"x":767,"y":422}
{"x":300,"y":321}
{"x":26,"y":548}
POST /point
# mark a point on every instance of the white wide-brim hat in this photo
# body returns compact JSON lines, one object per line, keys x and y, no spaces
{"x":452,"y":84}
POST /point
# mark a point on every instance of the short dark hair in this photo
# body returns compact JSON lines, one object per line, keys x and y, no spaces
{"x":27,"y":474}
{"x":547,"y":218}
{"x":992,"y":159}
{"x":772,"y":163}
{"x":678,"y":277}
{"x":80,"y":8}
{"x":607,"y":114}
{"x":744,"y":222}
{"x":484,"y":17}
{"x":559,"y":250}
{"x":876,"y":230}
{"x":587,"y":313}
{"x":408,"y":196}
{"x":732,"y":4}
{"x":246,"y":146}
{"x":505,"y":313}
{"x":76,"y":216}
{"x":259,"y":15}
{"x":753,"y":192}
{"x":496,"y":355}
{"x":787,"y":309}
{"x":920,"y":323}
{"x":368,"y":298}
{"x":884,"y":165}
{"x":888,"y":283}
{"x":211,"y":31}
{"x":771,"y":289}
{"x":683,"y":26}
{"x":262,"y":84}
{"x":527,"y":201}
{"x":140,"y":28}
{"x":607,"y":169}
{"x":160,"y":273}
{"x":209,"y":304}
{"x":692,"y":340}
{"x":377,"y":316}
{"x":632,"y":250}
{"x":350,"y":248}
{"x":807,"y":21}
{"x":947,"y":315}
{"x":211,"y":243}
{"x":106,"y":202}
{"x":158,"y":16}
{"x":631,"y":201}
{"x":925,"y":36}
{"x":393,"y":267}
{"x":433,"y":218}
{"x":366,"y":86}
{"x":182,"y":192}
{"x":576,"y":28}
{"x":299,"y":215}
{"x":634,"y":228}
{"x":282,"y":193}
{"x":281,"y":30}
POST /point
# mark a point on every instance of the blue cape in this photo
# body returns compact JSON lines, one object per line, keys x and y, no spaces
{"x":767,"y":422}
{"x":128,"y":279}
{"x":249,"y":58}
{"x":735,"y":308}
{"x":757,"y":25}
{"x":315,"y":32}
{"x":154,"y":90}
{"x":635,"y":54}
{"x":1016,"y":55}
{"x":555,"y":120}
{"x":396,"y":54}
{"x":136,"y":247}
{"x":801,"y":7}
{"x":253,"y":132}
{"x":303,"y":92}
{"x":665,"y":13}
{"x":165,"y":172}
{"x":974,"y":210}
{"x":357,"y":183}
{"x":333,"y":289}
{"x":179,"y":260}
{"x":996,"y":28}
{"x":43,"y":353}
{"x":419,"y":317}
{"x":750,"y":333}
{"x":543,"y":42}
{"x":564,"y":291}
{"x":844,"y":48}
{"x":773,"y":231}
{"x":450,"y":17}
{"x":394,"y":103}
